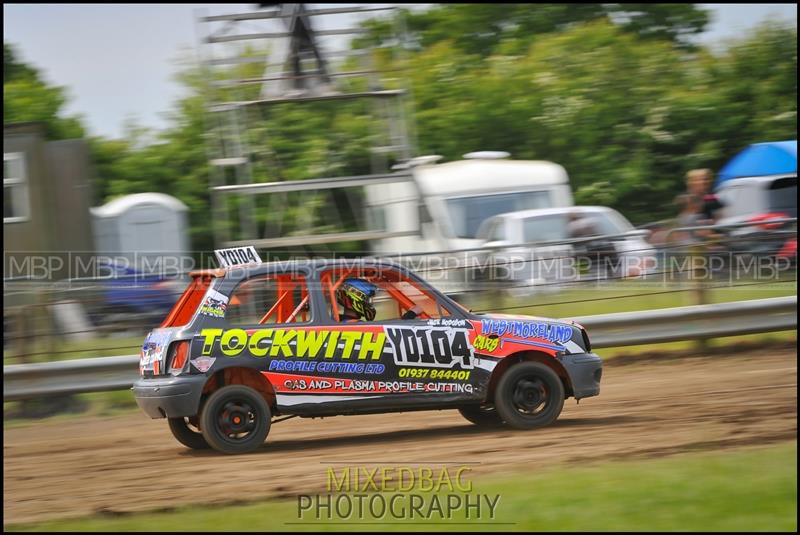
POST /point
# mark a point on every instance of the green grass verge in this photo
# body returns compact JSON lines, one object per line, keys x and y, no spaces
{"x":746,"y":342}
{"x":607,"y":298}
{"x":754,"y":489}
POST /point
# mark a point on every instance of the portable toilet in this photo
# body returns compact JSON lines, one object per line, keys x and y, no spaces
{"x":141,"y":225}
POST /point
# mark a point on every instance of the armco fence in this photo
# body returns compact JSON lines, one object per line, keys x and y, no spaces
{"x":25,"y":381}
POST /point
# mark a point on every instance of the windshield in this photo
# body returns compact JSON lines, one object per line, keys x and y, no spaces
{"x":545,"y":228}
{"x":783,"y":196}
{"x":558,"y":226}
{"x":467,"y":213}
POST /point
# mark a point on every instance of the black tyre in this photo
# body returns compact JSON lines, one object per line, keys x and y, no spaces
{"x":481,"y":415}
{"x":187,"y":434}
{"x":235,"y":419}
{"x":529,"y":395}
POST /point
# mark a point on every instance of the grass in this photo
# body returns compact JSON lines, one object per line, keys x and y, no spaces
{"x":755,"y":342}
{"x":43,"y":350}
{"x":754,"y":489}
{"x":608,"y":298}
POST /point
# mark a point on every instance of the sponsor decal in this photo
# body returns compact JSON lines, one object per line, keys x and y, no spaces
{"x":152,"y":350}
{"x":299,"y":383}
{"x":448,"y":322}
{"x":322,"y":343}
{"x":430,"y":347}
{"x":433,"y":373}
{"x":203,"y":364}
{"x":237,"y":256}
{"x":526,"y":329}
{"x":486,"y":343}
{"x":307,"y":366}
{"x":214,"y":304}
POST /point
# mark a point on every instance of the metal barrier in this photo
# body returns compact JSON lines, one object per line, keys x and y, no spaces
{"x":102,"y":374}
{"x":24,"y":381}
{"x":692,"y":322}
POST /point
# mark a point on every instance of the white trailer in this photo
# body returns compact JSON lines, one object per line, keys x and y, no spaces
{"x":446,"y":203}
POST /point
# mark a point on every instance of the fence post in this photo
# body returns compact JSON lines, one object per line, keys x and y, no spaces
{"x":699,"y":296}
{"x":20,"y":343}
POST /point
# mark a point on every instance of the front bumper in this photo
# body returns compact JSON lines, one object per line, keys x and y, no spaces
{"x":585,"y":371}
{"x":169,"y":397}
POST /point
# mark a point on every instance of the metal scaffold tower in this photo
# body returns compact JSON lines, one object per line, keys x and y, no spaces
{"x":259,"y":64}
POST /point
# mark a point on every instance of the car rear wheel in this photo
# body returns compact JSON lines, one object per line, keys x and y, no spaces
{"x":235,"y":419}
{"x":187,"y":433}
{"x":484,"y":416}
{"x":529,"y":395}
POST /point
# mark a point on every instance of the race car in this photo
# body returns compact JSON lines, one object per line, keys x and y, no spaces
{"x":253,"y":343}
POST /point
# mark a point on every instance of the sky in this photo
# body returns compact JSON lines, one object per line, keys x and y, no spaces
{"x":118,"y":61}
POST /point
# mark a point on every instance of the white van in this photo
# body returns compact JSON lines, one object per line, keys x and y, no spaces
{"x":746,"y":197}
{"x":448,"y":202}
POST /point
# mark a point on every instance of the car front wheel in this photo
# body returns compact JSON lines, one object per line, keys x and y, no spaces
{"x":235,"y":419}
{"x":529,"y":395}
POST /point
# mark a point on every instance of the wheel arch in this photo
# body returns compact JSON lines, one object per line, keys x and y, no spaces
{"x":238,"y":375}
{"x":529,"y":356}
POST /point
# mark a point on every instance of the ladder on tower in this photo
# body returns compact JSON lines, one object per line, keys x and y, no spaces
{"x":306,"y":73}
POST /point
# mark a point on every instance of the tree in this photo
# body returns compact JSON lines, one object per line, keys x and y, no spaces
{"x":482,"y":28}
{"x":26,"y":97}
{"x":626,"y":115}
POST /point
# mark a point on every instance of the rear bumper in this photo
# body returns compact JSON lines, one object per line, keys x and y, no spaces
{"x":169,"y":397}
{"x":585,"y":371}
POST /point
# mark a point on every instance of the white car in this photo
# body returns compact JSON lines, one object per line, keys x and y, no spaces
{"x":545,"y":246}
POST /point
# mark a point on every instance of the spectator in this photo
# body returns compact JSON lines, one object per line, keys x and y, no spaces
{"x":698,"y":184}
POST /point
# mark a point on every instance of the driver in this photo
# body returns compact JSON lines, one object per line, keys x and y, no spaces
{"x":355,"y":296}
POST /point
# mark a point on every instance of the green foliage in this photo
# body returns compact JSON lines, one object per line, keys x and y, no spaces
{"x":613,"y":92}
{"x":13,"y":69}
{"x":482,"y":28}
{"x":27,"y":98}
{"x":627,"y":116}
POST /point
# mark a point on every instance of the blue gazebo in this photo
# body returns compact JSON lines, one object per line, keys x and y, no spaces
{"x":761,"y":159}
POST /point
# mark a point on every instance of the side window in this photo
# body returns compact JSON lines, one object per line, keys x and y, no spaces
{"x":269,"y":299}
{"x":394,"y":295}
{"x":15,"y":188}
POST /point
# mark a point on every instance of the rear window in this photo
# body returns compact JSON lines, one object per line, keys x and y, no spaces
{"x":270,"y":299}
{"x":185,"y":307}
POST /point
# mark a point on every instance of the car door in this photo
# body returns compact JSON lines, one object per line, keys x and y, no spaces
{"x":548,"y":262}
{"x":263,"y":323}
{"x":393,"y":363}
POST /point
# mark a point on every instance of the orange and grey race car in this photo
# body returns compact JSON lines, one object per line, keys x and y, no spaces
{"x":254,"y":341}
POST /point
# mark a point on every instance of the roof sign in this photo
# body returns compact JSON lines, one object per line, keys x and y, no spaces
{"x":237,"y":256}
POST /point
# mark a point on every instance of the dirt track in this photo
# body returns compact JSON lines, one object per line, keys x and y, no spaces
{"x":655,"y":408}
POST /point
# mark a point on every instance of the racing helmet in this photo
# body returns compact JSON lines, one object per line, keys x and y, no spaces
{"x":357,"y":294}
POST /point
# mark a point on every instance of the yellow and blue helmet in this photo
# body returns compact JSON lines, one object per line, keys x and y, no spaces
{"x":357,"y":294}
